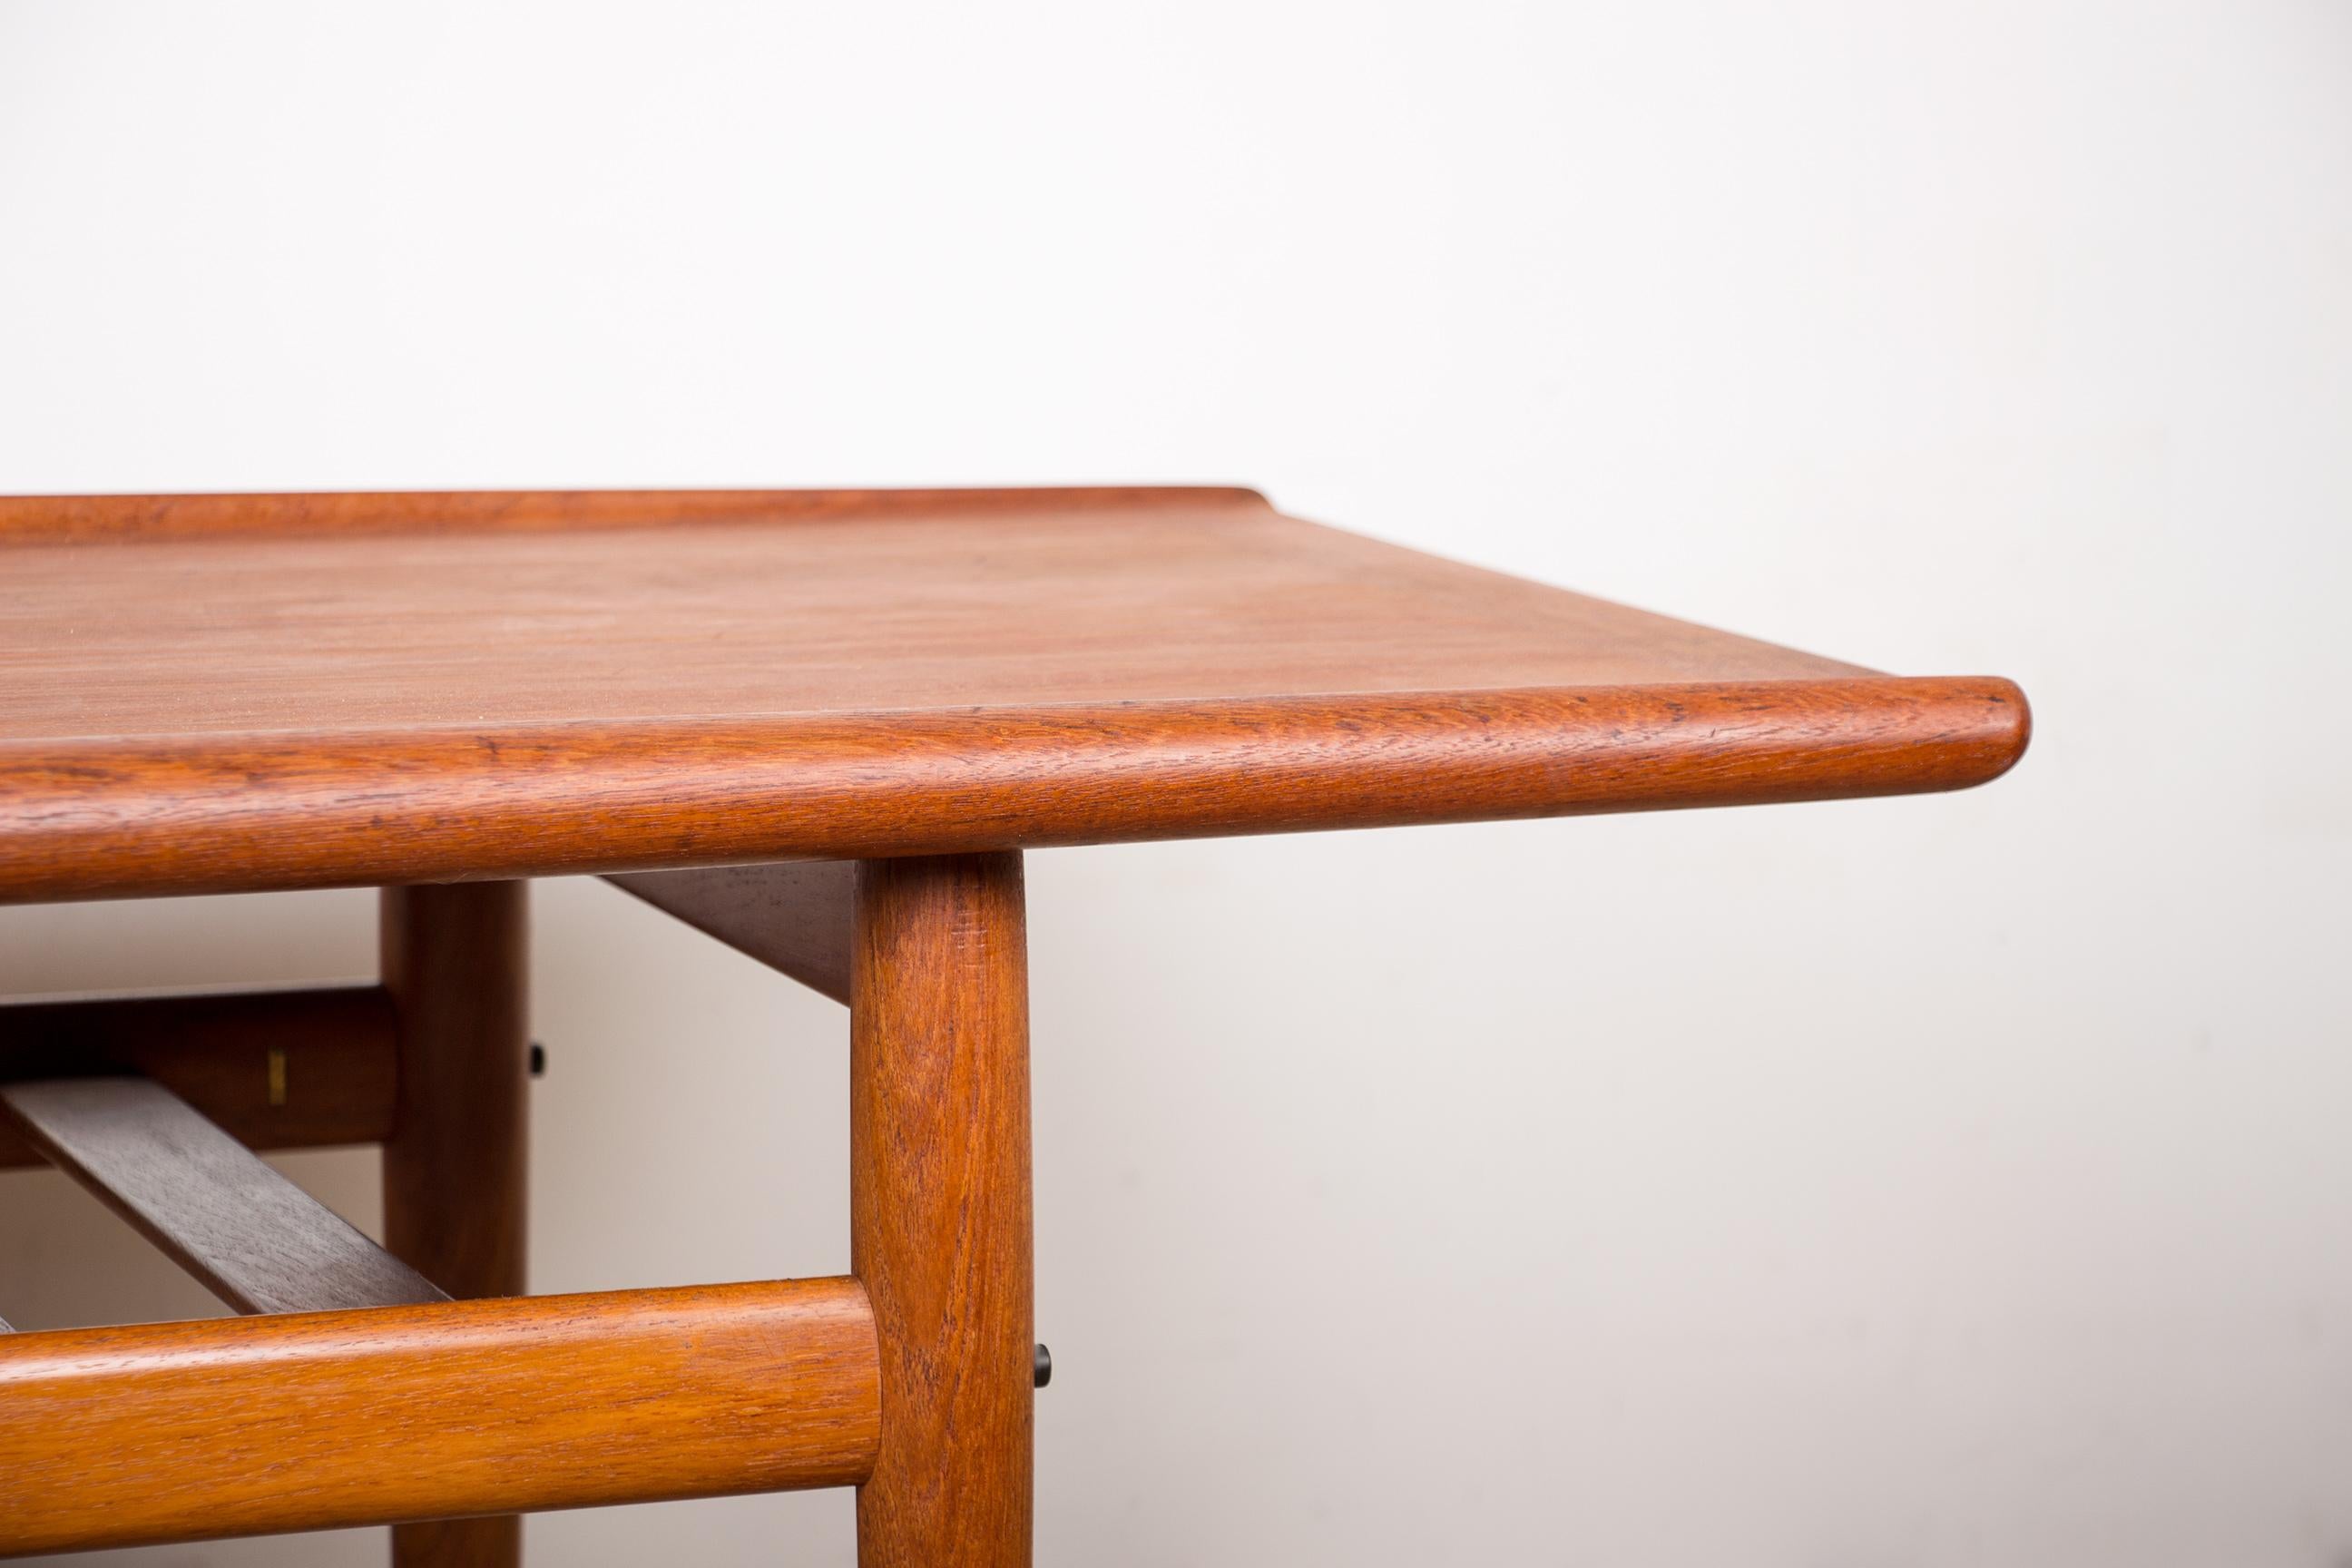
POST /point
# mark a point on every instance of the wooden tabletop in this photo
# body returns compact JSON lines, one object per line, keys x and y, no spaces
{"x":218,"y":693}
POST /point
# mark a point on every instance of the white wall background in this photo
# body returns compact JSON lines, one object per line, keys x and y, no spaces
{"x":1954,"y":1180}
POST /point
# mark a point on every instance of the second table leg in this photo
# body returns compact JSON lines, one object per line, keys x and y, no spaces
{"x":455,"y":960}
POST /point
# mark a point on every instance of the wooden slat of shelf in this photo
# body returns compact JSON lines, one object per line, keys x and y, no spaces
{"x":796,"y":917}
{"x":252,"y":1238}
{"x":164,"y":1432}
{"x":301,"y":1068}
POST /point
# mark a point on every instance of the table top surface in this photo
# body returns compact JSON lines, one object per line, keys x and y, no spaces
{"x":222,"y":693}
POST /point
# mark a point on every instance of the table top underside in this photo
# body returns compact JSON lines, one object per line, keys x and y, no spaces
{"x":228,"y":693}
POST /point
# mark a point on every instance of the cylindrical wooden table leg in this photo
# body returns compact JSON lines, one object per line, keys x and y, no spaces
{"x":939,"y":1212}
{"x":455,"y":960}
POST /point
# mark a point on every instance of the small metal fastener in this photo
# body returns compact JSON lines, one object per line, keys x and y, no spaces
{"x":538,"y":1059}
{"x":1042,"y":1367}
{"x":277,"y":1084}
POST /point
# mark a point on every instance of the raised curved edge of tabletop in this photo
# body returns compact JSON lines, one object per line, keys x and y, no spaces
{"x":119,"y":818}
{"x":129,"y":519}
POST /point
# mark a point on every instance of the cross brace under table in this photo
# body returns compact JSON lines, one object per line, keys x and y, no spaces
{"x":359,"y":1393}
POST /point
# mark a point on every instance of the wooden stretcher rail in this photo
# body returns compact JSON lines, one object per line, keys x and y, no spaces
{"x":165,"y":1432}
{"x":249,"y":1235}
{"x":276,"y":1070}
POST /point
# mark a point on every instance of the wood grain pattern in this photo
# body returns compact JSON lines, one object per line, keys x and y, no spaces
{"x":457,"y":964}
{"x":794,"y":917}
{"x":940,"y":1207}
{"x":130,"y":519}
{"x":200,"y":693}
{"x":166,"y":1432}
{"x":252,"y":1237}
{"x":212,"y":1049}
{"x":495,"y":1541}
{"x":456,"y":1168}
{"x":856,"y":613}
{"x":137,"y":819}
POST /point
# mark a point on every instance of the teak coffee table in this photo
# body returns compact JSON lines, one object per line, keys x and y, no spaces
{"x":820,"y":726}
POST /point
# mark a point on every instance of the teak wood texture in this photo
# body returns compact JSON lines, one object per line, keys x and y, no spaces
{"x":224,"y":693}
{"x":940,"y":1233}
{"x":165,"y":1432}
{"x":456,"y":963}
{"x":252,"y":1237}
